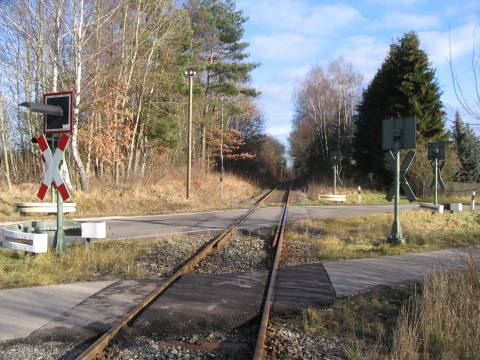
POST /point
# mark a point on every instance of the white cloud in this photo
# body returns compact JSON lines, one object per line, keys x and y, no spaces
{"x":287,"y":46}
{"x":396,"y":3}
{"x":300,"y":16}
{"x":408,"y":21}
{"x":279,"y":130}
{"x":437,"y":45}
{"x":278,"y":91}
{"x":294,"y":74}
{"x":365,"y":53}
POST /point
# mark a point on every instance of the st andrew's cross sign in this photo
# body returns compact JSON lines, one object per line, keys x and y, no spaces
{"x":52,"y":163}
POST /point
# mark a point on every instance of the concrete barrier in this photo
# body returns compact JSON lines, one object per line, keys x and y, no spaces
{"x":456,"y":207}
{"x":43,"y":207}
{"x":437,"y":208}
{"x":332,"y":197}
{"x":36,"y":236}
{"x":14,"y":237}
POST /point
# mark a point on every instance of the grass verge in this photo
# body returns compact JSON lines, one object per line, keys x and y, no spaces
{"x":369,"y":197}
{"x":143,"y":197}
{"x":438,"y":320}
{"x":366,"y":236}
{"x":105,"y":261}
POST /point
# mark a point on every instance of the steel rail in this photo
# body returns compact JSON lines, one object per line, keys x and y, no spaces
{"x":259,"y":352}
{"x":95,"y":349}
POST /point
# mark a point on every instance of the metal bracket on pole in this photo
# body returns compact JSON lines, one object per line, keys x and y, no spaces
{"x":396,"y":234}
{"x":335,"y":159}
{"x":60,"y":244}
{"x":405,"y":186}
{"x":334,"y":179}
{"x":437,"y":167}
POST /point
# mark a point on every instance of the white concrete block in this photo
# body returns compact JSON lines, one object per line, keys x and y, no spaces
{"x":94,"y":230}
{"x":437,"y":208}
{"x":456,"y":207}
{"x":37,"y":243}
{"x":332,"y":197}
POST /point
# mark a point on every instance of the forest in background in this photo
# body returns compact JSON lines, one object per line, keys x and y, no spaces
{"x":334,"y":112}
{"x":126,"y":61}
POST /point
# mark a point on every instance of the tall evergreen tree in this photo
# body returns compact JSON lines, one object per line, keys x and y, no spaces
{"x":467,"y":145}
{"x":405,"y":85}
{"x":218,"y":48}
{"x":219,"y":54}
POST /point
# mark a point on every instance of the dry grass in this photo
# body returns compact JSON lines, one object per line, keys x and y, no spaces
{"x":104,"y":261}
{"x":148,"y":196}
{"x":370,"y":197}
{"x":438,"y":320}
{"x":365,"y":324}
{"x":366,"y":236}
{"x":444,"y":322}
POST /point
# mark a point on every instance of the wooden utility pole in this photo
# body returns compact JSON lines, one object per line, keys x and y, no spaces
{"x":190,"y":73}
{"x":222,"y":169}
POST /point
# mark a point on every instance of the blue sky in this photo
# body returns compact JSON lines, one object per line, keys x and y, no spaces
{"x":289,"y":36}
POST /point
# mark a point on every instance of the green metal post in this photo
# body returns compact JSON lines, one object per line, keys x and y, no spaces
{"x":435,"y":190}
{"x":396,"y":236}
{"x":334,"y":179}
{"x":60,"y":233}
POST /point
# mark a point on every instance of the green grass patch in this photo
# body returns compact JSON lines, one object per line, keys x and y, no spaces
{"x":104,"y":261}
{"x":366,"y":236}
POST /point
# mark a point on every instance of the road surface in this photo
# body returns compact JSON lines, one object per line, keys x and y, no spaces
{"x":141,"y":227}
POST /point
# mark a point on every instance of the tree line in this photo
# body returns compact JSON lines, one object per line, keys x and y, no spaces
{"x":334,"y":113}
{"x":125,"y":61}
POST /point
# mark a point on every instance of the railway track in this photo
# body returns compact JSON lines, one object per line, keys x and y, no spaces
{"x":96,"y":349}
{"x":277,"y":245}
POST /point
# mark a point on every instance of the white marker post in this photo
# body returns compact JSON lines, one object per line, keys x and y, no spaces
{"x":359,"y":192}
{"x":473,"y":200}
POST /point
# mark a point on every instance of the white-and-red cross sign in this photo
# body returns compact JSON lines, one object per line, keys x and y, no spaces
{"x":52,"y":173}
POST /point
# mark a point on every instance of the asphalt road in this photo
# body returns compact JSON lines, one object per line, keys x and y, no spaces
{"x":140,"y":227}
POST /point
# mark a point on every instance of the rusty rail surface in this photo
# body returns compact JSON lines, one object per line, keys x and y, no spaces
{"x":260,"y":353}
{"x":94,"y":350}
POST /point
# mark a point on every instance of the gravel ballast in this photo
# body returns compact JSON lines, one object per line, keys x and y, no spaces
{"x":286,"y":344}
{"x":241,"y":253}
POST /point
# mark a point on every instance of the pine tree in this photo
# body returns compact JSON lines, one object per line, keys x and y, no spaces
{"x":467,"y":145}
{"x":219,"y":56}
{"x":405,"y":85}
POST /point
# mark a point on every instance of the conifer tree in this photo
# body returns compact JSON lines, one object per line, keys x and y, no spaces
{"x":219,"y":56}
{"x":467,"y":145}
{"x":405,"y":85}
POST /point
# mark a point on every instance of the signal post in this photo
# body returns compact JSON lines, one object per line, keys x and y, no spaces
{"x":58,"y":123}
{"x":398,"y":134}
